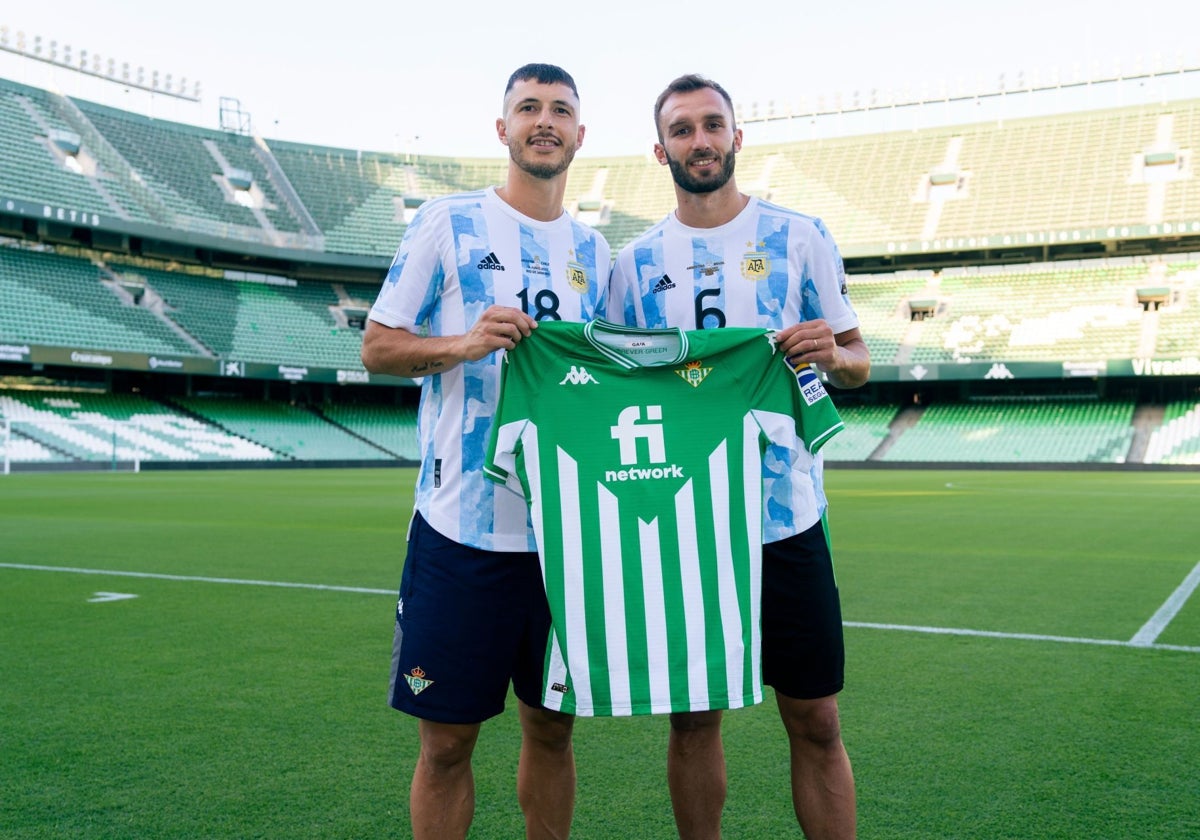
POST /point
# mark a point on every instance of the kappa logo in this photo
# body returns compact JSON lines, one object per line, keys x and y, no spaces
{"x":490,"y":263}
{"x":579,"y":376}
{"x":999,"y":370}
{"x":416,"y":680}
{"x":662,"y":285}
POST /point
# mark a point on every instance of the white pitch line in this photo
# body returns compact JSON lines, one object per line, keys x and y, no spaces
{"x":907,"y":628}
{"x":1029,"y":637}
{"x":197,"y":579}
{"x":1153,"y":628}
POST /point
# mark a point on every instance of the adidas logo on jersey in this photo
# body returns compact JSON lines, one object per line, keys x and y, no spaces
{"x":662,"y":285}
{"x":490,"y":262}
{"x":579,"y":376}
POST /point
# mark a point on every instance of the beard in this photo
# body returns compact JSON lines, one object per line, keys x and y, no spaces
{"x":712,"y":183}
{"x":544,"y":170}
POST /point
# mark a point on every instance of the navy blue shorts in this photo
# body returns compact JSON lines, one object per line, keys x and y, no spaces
{"x":468,"y":622}
{"x":804,"y":654}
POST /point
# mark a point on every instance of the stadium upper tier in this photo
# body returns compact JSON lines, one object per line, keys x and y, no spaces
{"x":1085,"y":312}
{"x":1106,"y":174}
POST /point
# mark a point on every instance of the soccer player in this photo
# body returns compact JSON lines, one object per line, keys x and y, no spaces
{"x":473,"y":275}
{"x":723,"y":258}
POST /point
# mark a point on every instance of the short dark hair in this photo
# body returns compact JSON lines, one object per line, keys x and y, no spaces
{"x":543,"y":74}
{"x":686,"y":84}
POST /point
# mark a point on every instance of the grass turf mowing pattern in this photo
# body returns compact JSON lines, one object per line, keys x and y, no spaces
{"x":216,"y":710}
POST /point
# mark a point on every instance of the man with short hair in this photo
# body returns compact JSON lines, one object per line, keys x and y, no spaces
{"x":473,"y":275}
{"x":723,"y":258}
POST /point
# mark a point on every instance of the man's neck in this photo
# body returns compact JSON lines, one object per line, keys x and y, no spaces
{"x":537,"y":198}
{"x":709,"y":210}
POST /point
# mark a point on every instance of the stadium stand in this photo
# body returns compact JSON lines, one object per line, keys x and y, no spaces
{"x":866,"y":429}
{"x":292,"y":432}
{"x":355,"y":198}
{"x":66,"y":426}
{"x":1177,"y":441}
{"x":43,"y":161}
{"x":59,"y":300}
{"x":1071,"y":313}
{"x":391,"y":428}
{"x":1019,"y":431}
{"x":1045,"y":242}
{"x":198,"y":173}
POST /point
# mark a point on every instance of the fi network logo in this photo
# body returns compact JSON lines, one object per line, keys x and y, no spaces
{"x":628,"y":431}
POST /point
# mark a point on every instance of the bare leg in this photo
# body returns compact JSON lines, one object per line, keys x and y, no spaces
{"x":546,"y":773}
{"x":822,"y":779}
{"x":696,"y":774}
{"x":442,"y":797}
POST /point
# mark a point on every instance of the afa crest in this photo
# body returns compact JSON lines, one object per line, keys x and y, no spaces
{"x":756,"y":265}
{"x":693,"y":373}
{"x":577,"y":277}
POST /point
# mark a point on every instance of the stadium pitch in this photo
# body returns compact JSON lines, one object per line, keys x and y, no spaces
{"x":205,"y":655}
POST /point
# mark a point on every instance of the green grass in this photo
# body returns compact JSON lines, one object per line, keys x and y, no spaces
{"x":203,"y":709}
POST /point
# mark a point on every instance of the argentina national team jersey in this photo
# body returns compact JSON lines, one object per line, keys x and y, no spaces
{"x":460,"y":255}
{"x":639,"y":452}
{"x":768,"y":267}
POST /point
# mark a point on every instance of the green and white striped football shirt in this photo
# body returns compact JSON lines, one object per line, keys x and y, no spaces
{"x":640,"y":454}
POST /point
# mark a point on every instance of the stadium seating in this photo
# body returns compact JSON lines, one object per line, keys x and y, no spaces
{"x":294,"y":433}
{"x":392,"y":428}
{"x":184,"y":166}
{"x":1015,"y":178}
{"x":32,"y":169}
{"x":866,"y":428}
{"x":1018,"y":431}
{"x":77,"y":426}
{"x":59,"y":300}
{"x":1177,"y":440}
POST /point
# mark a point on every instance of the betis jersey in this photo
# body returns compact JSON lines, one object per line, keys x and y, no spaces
{"x":460,"y":255}
{"x":639,"y":452}
{"x":768,"y":267}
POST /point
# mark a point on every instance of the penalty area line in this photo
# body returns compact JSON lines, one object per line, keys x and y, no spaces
{"x":1176,"y":601}
{"x":1027,"y":637}
{"x":1167,"y":612}
{"x":199,"y":579}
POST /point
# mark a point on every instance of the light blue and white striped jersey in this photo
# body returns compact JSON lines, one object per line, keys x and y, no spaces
{"x":460,"y":255}
{"x":768,"y":267}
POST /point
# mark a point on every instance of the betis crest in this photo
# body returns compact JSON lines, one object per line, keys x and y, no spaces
{"x":693,"y":373}
{"x":416,"y":680}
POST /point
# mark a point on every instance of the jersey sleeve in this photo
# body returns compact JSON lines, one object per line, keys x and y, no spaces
{"x":819,"y":419}
{"x":794,"y":392}
{"x":825,"y":293}
{"x":415,"y":278}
